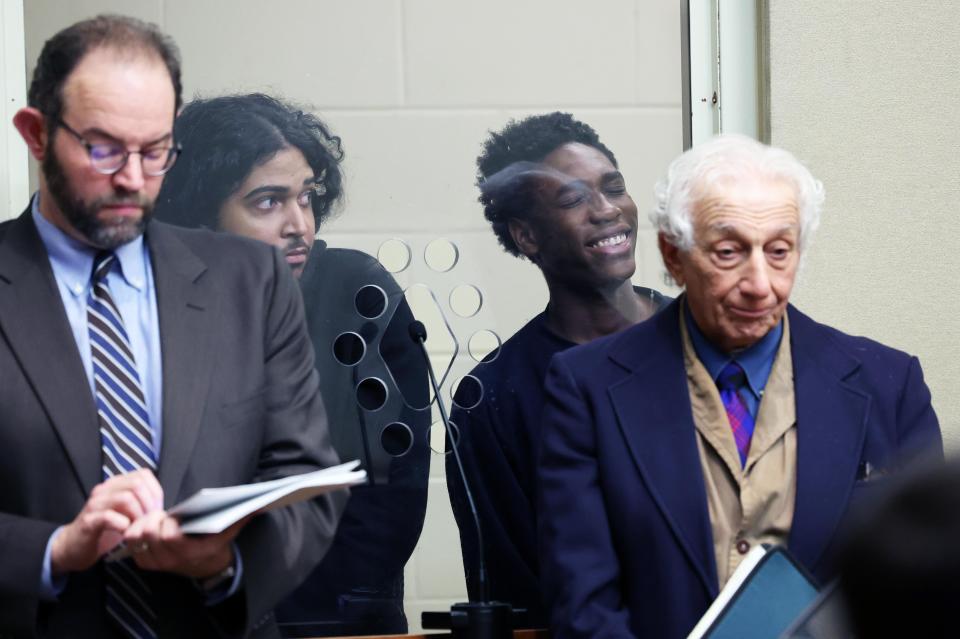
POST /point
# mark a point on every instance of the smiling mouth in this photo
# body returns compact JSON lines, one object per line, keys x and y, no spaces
{"x":612,"y":240}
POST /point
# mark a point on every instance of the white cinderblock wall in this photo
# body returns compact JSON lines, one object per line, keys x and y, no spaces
{"x":412,"y":86}
{"x":867,"y":95}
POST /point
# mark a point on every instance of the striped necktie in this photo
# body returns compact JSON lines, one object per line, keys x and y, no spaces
{"x":730,"y":380}
{"x":125,"y":437}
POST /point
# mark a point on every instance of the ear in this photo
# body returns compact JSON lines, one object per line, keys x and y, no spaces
{"x":33,"y":129}
{"x":671,"y":258}
{"x":524,"y":237}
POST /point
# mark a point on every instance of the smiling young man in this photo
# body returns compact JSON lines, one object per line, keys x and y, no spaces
{"x":125,"y":389}
{"x":554,"y":195}
{"x":729,"y":420}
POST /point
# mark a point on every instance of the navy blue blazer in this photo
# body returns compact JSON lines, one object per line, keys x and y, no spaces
{"x":626,"y":547}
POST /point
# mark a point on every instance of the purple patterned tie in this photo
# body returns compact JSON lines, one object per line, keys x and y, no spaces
{"x":730,"y":381}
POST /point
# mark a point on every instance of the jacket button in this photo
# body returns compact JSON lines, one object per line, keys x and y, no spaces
{"x":743,"y":546}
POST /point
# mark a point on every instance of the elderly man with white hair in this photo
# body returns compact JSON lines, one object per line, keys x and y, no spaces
{"x":728,"y":420}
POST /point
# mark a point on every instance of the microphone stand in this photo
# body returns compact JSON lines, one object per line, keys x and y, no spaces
{"x":482,"y":619}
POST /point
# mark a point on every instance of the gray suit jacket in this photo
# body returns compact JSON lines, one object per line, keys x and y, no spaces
{"x":240,"y":404}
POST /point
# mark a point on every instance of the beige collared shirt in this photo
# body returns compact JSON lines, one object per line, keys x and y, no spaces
{"x":753,"y":504}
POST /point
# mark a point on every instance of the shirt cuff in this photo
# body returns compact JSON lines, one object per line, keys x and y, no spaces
{"x":229,"y":589}
{"x":50,"y":586}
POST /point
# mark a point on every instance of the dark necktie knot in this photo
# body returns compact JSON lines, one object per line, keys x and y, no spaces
{"x":731,"y":378}
{"x":102,"y":263}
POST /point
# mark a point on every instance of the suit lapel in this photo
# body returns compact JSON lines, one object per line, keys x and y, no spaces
{"x":653,"y":410}
{"x":184,"y":303}
{"x":831,"y":426}
{"x":35,"y":324}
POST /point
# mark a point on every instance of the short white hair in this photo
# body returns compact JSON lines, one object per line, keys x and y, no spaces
{"x":729,"y":157}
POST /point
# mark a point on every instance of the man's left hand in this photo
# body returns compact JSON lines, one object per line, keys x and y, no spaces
{"x":158,"y":543}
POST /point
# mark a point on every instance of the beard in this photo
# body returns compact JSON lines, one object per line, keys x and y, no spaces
{"x":82,"y":215}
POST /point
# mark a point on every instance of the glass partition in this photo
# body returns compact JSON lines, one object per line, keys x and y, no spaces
{"x":410,"y":91}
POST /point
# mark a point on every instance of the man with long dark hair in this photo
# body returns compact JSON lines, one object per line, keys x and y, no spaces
{"x":256,"y":166}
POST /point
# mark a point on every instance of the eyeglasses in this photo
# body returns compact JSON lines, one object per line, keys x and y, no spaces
{"x":109,"y":157}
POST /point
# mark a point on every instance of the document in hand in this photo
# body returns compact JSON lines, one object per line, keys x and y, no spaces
{"x":213,"y":510}
{"x":762,"y":598}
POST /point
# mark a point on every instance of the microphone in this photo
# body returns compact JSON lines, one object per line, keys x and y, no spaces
{"x":482,"y":619}
{"x":418,"y":333}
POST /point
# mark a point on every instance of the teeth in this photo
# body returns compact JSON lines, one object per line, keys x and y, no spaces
{"x":612,"y":241}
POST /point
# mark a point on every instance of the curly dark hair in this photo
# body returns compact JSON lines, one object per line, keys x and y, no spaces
{"x":225,"y":138}
{"x":62,"y":53}
{"x":528,"y":140}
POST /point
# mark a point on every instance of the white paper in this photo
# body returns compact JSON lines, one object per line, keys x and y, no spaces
{"x":213,"y":510}
{"x":307,"y":486}
{"x":209,"y":500}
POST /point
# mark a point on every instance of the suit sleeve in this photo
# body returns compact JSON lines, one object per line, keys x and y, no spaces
{"x":918,"y":430}
{"x":580,"y":569}
{"x":23,"y":542}
{"x":281,"y":547}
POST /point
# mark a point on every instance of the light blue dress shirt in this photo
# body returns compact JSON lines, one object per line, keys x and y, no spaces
{"x":756,"y":361}
{"x":132,"y":289}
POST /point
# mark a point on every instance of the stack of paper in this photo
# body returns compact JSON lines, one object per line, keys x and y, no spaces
{"x":213,"y":510}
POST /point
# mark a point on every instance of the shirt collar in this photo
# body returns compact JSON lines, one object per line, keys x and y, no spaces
{"x":756,"y":361}
{"x":74,"y":259}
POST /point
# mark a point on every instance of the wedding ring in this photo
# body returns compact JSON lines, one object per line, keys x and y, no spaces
{"x":142,"y":547}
